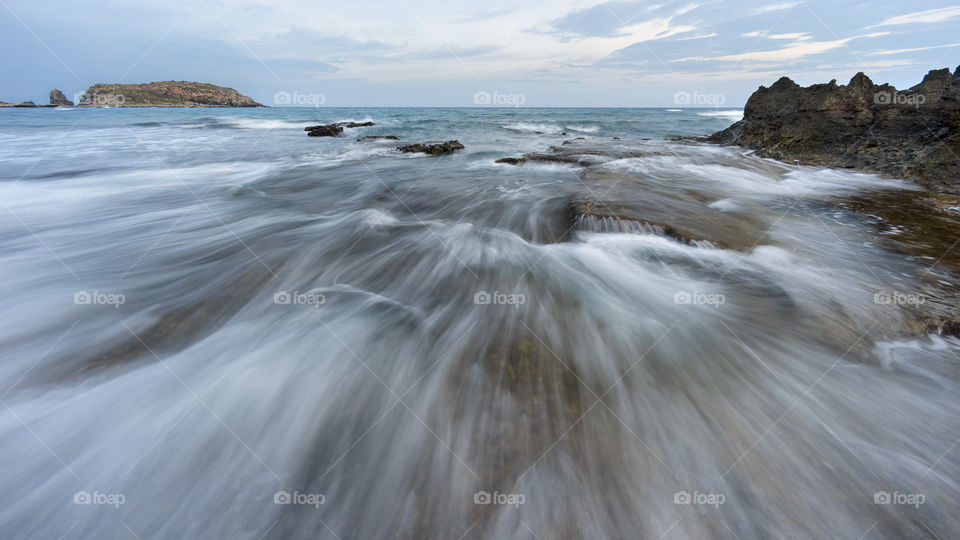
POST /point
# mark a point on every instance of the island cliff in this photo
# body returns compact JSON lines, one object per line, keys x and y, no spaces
{"x":912,"y":134}
{"x":164,"y":94}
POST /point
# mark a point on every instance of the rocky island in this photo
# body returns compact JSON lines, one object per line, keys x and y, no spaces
{"x":164,"y":94}
{"x":912,"y":134}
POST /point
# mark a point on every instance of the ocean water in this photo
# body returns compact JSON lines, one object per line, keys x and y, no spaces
{"x":218,"y":327}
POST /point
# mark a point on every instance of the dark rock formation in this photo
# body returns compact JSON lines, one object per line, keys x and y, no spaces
{"x":545,"y":157}
{"x":574,"y":153}
{"x":332,"y":130}
{"x":164,"y":94}
{"x":914,"y":133}
{"x":378,"y":137}
{"x":57,"y":99}
{"x":327,"y":130}
{"x":439,"y":149}
{"x":26,"y":104}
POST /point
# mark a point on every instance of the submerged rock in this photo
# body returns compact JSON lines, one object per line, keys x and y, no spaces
{"x":570,"y":152}
{"x":327,"y":130}
{"x":332,"y":130}
{"x":58,"y":99}
{"x":438,"y":149}
{"x":378,"y":137}
{"x":913,"y":134}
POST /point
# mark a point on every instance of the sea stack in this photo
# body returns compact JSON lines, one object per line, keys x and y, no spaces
{"x":58,"y":99}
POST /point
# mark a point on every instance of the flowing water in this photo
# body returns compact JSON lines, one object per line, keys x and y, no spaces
{"x":217,"y":327}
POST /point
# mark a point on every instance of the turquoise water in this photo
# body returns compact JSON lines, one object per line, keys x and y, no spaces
{"x":216,"y":326}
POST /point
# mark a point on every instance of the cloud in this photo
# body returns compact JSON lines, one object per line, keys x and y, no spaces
{"x":795,"y":35}
{"x":776,"y":7}
{"x":699,"y":36}
{"x":797,"y":50}
{"x":616,"y":19}
{"x":900,"y":51}
{"x":929,"y":16}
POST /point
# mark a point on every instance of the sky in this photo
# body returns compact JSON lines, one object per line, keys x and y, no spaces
{"x":461,"y":54}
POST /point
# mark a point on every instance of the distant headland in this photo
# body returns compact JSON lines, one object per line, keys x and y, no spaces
{"x":154,"y":94}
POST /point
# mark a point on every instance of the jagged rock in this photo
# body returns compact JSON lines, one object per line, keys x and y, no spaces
{"x":378,"y":137}
{"x":583,"y":155}
{"x":544,"y":157}
{"x":164,"y":94}
{"x":332,"y":130}
{"x":26,"y":104}
{"x":433,"y":149}
{"x":913,"y":134}
{"x":59,"y":100}
{"x":328,"y":130}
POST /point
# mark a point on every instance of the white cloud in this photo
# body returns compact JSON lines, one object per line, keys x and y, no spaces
{"x":699,"y":36}
{"x":795,"y":51}
{"x":776,"y":7}
{"x":899,"y":51}
{"x":929,"y":16}
{"x":797,"y":35}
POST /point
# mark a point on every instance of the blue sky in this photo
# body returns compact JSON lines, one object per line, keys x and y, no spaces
{"x":419,"y":53}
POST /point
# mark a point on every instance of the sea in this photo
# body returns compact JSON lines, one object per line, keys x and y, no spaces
{"x":215,"y":326}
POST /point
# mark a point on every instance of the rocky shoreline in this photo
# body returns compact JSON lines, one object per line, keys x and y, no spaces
{"x":912,"y":134}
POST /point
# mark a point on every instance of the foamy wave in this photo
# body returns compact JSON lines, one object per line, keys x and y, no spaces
{"x":356,"y":120}
{"x":584,"y":129}
{"x":674,"y":110}
{"x":263,"y":123}
{"x":722,"y":114}
{"x":531,"y":128}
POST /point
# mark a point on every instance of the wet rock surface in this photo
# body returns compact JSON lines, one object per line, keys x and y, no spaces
{"x":378,"y":138}
{"x":327,"y":130}
{"x":912,"y":133}
{"x":333,"y":130}
{"x":577,"y":151}
{"x":437,"y":149}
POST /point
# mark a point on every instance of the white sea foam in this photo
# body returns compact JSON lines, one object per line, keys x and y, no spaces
{"x":532,"y":128}
{"x":722,"y":114}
